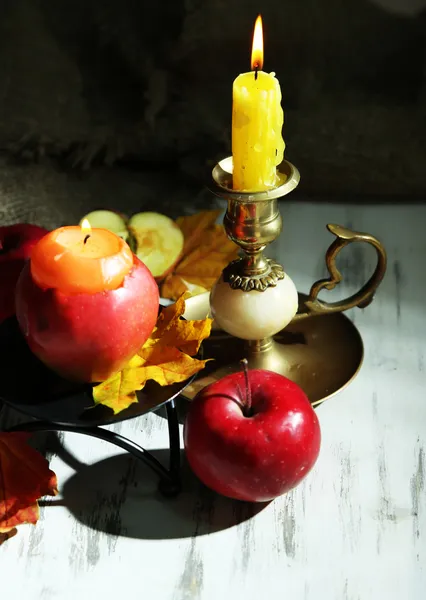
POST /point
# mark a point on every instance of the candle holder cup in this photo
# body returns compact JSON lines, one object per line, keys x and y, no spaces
{"x":259,"y":313}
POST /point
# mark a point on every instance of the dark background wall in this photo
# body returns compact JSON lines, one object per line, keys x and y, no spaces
{"x":149,"y":84}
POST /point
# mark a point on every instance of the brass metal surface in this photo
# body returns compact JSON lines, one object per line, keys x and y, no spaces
{"x":314,"y":306}
{"x":288,"y":176}
{"x":321,"y":350}
{"x":321,"y":354}
{"x":236,"y":275}
{"x":253,"y":219}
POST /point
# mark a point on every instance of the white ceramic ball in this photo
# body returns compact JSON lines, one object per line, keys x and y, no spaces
{"x":254,"y":315}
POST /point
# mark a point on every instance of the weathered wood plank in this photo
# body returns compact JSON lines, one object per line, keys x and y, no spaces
{"x":355,"y":529}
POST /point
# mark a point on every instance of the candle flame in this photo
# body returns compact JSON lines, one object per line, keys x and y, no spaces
{"x":257,"y":48}
{"x":86,"y":228}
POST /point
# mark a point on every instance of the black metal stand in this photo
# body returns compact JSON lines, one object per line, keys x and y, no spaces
{"x":170,"y":480}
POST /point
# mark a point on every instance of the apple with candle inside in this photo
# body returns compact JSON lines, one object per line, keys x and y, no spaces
{"x":85,"y":303}
{"x":16,"y":244}
{"x":252,"y":435}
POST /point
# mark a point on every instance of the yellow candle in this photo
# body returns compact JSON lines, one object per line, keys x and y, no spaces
{"x":257,"y":120}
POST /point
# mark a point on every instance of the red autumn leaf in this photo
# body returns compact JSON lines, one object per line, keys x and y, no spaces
{"x":7,"y":535}
{"x":24,"y":478}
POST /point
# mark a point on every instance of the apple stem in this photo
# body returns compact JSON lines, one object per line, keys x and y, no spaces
{"x":244,"y":364}
{"x":240,"y":401}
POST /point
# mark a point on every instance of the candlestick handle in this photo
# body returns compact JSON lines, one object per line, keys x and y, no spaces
{"x":314,"y":306}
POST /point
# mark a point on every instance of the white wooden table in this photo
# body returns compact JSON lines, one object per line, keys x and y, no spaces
{"x":355,"y":529}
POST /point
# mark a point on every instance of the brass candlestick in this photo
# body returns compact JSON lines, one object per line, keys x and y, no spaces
{"x":257,"y":307}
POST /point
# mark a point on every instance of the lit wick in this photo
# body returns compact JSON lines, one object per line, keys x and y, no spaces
{"x":257,"y":48}
{"x":86,"y":230}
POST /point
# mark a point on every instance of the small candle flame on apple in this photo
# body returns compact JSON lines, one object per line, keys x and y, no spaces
{"x":86,"y":229}
{"x":257,"y":47}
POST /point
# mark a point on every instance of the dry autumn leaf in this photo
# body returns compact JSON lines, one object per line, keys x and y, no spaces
{"x":206,"y":252}
{"x":24,"y":478}
{"x":7,"y":535}
{"x":166,"y":357}
{"x":194,"y":226}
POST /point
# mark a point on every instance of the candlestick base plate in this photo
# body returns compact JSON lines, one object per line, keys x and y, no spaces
{"x":322,"y":354}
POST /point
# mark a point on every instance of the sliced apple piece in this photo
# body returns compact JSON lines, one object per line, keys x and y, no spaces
{"x":159,"y":241}
{"x":107,"y":219}
{"x":193,"y":288}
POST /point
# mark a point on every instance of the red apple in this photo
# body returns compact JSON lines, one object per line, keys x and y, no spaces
{"x":88,"y":337}
{"x":16,"y":243}
{"x":252,"y":437}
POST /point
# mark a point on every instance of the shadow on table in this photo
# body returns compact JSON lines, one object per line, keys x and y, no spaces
{"x":119,"y":496}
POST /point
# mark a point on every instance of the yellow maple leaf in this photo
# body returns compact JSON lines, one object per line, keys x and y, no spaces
{"x":175,"y":331}
{"x":119,"y":391}
{"x":206,"y":252}
{"x":194,"y":226}
{"x":167,"y":357}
